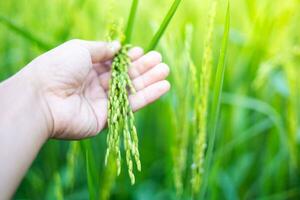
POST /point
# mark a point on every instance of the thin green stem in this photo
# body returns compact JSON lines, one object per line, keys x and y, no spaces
{"x":130,"y":22}
{"x":163,"y":26}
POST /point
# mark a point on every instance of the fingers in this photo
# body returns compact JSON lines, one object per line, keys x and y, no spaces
{"x":154,"y":73}
{"x":148,"y":94}
{"x":157,"y":73}
{"x":144,"y":63}
{"x":100,"y":51}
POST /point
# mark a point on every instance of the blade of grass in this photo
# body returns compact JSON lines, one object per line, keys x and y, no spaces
{"x":90,"y":170}
{"x":24,"y":33}
{"x":91,"y":185}
{"x":261,"y":107}
{"x":164,"y":25}
{"x":214,"y":114}
{"x":58,"y":190}
{"x":108,"y":178}
{"x":71,"y":162}
{"x":245,"y":136}
{"x":130,"y":22}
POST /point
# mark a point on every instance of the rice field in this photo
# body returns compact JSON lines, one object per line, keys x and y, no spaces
{"x":229,"y":128}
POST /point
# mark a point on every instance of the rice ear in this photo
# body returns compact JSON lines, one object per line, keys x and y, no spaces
{"x":201,"y":106}
{"x":216,"y":99}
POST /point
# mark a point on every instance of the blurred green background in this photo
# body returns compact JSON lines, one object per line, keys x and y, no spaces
{"x":256,"y":151}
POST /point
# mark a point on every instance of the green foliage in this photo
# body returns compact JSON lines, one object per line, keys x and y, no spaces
{"x":253,"y":114}
{"x":120,"y":116}
{"x":24,"y":33}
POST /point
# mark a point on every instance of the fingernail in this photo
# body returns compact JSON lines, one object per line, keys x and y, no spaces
{"x":115,"y":45}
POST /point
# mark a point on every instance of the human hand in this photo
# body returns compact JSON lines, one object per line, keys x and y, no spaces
{"x":72,"y":80}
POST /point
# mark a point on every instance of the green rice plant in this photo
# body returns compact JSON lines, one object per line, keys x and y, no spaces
{"x":201,"y":107}
{"x":181,"y":109}
{"x":257,"y":134}
{"x":217,"y":93}
{"x":271,"y":168}
{"x":291,"y":72}
{"x":120,"y":115}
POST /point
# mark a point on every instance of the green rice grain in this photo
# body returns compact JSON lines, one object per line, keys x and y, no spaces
{"x":120,"y":115}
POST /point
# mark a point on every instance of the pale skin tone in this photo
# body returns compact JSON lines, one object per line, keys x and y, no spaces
{"x":62,"y":94}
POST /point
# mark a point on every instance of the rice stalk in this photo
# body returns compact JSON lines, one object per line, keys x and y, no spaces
{"x":291,"y":72}
{"x":181,"y":111}
{"x":92,"y":173}
{"x":108,"y":179}
{"x":120,"y":115}
{"x":163,"y":26}
{"x":109,"y":174}
{"x":130,"y":22}
{"x":91,"y":184}
{"x":71,"y":161}
{"x":217,"y":94}
{"x":201,"y":107}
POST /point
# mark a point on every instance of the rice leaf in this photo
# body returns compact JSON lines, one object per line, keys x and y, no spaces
{"x":91,"y":184}
{"x":58,"y":188}
{"x":130,"y":22}
{"x":163,"y":26}
{"x":217,"y":92}
{"x":108,"y":178}
{"x":24,"y":33}
{"x":90,"y":170}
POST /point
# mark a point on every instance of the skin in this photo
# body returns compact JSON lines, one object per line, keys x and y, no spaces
{"x":62,"y":94}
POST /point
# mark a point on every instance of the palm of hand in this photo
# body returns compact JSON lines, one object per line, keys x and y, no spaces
{"x":75,"y":84}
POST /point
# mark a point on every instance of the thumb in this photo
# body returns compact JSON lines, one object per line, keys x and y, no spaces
{"x":101,"y":51}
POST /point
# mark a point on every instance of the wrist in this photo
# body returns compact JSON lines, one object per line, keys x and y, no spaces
{"x":25,"y":101}
{"x":24,"y":128}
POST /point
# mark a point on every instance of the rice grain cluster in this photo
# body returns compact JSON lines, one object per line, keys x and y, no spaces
{"x":120,"y":115}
